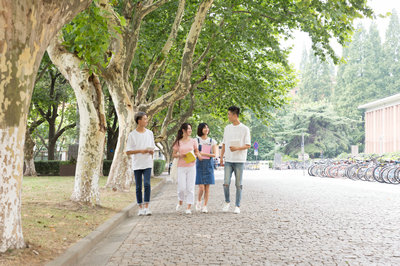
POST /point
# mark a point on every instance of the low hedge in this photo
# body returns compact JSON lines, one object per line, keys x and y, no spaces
{"x":159,"y":166}
{"x":47,"y":167}
{"x":52,"y":168}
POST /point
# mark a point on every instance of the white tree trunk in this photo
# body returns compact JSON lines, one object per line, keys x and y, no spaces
{"x":26,"y":28}
{"x":92,"y":122}
{"x":121,"y":174}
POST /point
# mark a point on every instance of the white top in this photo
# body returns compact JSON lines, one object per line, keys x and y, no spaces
{"x":236,"y":136}
{"x":207,"y":141}
{"x":141,"y":141}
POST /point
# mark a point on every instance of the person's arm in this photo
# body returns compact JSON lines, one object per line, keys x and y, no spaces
{"x":221,"y":159}
{"x":240,"y":148}
{"x":247,"y":142}
{"x":196,"y":150}
{"x":176,"y":154}
{"x":131,"y":144}
{"x":139,"y":151}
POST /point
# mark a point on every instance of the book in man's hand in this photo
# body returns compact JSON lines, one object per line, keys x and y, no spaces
{"x":189,"y":157}
{"x":235,"y":143}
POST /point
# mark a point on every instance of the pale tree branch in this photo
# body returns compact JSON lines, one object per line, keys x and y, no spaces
{"x":182,"y":86}
{"x":150,"y":8}
{"x":62,"y":116}
{"x":160,"y":59}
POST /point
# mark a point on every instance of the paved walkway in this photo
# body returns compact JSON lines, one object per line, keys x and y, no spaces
{"x":286,"y":218}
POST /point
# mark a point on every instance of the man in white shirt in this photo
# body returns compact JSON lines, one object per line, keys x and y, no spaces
{"x":234,"y":146}
{"x":141,"y":146}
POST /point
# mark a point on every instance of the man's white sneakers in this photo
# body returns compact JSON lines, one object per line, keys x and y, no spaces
{"x":237,"y":210}
{"x":226,"y":207}
{"x":198,"y":206}
{"x":178,"y":207}
{"x":141,"y":212}
{"x":147,"y":212}
{"x":204,"y":210}
{"x":188,"y":211}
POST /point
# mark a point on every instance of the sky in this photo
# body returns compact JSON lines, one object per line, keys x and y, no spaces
{"x":302,"y":40}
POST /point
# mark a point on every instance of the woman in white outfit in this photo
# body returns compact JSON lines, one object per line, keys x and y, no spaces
{"x":185,"y":148}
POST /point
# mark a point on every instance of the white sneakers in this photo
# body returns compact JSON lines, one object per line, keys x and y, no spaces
{"x":226,"y":207}
{"x":198,"y":206}
{"x":178,"y":207}
{"x":144,"y":211}
{"x":147,"y":212}
{"x":204,"y":210}
{"x":188,"y":211}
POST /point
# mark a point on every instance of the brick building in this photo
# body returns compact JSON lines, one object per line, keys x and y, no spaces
{"x":382,"y":125}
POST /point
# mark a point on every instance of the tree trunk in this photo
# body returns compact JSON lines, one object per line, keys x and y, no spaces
{"x":121,"y":175}
{"x":28,"y":158}
{"x":92,"y":122}
{"x":26,"y":28}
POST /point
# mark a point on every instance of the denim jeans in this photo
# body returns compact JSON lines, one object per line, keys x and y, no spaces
{"x":146,"y":173}
{"x":228,"y":170}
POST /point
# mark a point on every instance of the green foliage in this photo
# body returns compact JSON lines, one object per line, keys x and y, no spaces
{"x":47,"y":167}
{"x":316,"y":79}
{"x":324,"y":130}
{"x":391,"y":50}
{"x":88,"y":36}
{"x":159,"y":166}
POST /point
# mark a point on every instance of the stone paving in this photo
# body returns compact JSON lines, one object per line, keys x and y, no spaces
{"x":286,"y":218}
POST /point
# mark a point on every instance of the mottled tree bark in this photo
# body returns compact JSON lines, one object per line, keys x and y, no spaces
{"x":92,"y":121}
{"x":26,"y":28}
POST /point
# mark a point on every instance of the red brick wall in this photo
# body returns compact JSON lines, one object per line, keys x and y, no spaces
{"x":382,"y":130}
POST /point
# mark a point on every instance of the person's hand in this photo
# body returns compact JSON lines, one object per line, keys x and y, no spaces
{"x":234,"y":148}
{"x":221,"y":162}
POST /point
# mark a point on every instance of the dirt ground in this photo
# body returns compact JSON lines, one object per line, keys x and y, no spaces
{"x":52,"y":223}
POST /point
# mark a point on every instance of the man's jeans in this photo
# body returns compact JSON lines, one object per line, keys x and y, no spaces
{"x":228,"y":170}
{"x":146,"y":173}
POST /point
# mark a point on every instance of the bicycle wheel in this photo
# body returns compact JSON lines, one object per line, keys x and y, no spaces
{"x":370,"y":174}
{"x":376,"y":174}
{"x":361,"y":173}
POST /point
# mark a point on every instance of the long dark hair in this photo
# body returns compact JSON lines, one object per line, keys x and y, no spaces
{"x":179,"y":136}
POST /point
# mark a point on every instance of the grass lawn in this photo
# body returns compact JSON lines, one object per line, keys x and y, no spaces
{"x":51,"y":222}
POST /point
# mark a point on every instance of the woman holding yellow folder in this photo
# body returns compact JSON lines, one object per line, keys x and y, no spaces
{"x":186,"y":149}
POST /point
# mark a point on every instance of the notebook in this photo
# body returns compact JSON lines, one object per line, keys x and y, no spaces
{"x":189,"y":157}
{"x":206,"y":149}
{"x":235,"y":143}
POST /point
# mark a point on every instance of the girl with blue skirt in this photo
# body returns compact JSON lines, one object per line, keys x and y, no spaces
{"x":205,"y":167}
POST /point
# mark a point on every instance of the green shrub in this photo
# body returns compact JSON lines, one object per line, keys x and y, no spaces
{"x":106,"y":167}
{"x":159,"y":166}
{"x":49,"y":168}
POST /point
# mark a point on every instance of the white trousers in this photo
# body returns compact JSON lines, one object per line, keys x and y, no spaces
{"x":186,"y":183}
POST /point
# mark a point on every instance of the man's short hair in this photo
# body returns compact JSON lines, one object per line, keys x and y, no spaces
{"x":234,"y":110}
{"x":139,"y":116}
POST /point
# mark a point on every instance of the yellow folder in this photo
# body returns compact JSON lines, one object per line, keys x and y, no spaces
{"x":189,"y":157}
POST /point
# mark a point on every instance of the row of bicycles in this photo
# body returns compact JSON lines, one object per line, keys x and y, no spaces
{"x":372,"y":170}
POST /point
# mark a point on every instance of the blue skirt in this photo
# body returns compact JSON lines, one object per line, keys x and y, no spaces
{"x":205,"y":172}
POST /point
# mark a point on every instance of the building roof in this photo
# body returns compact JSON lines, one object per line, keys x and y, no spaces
{"x":384,"y":102}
